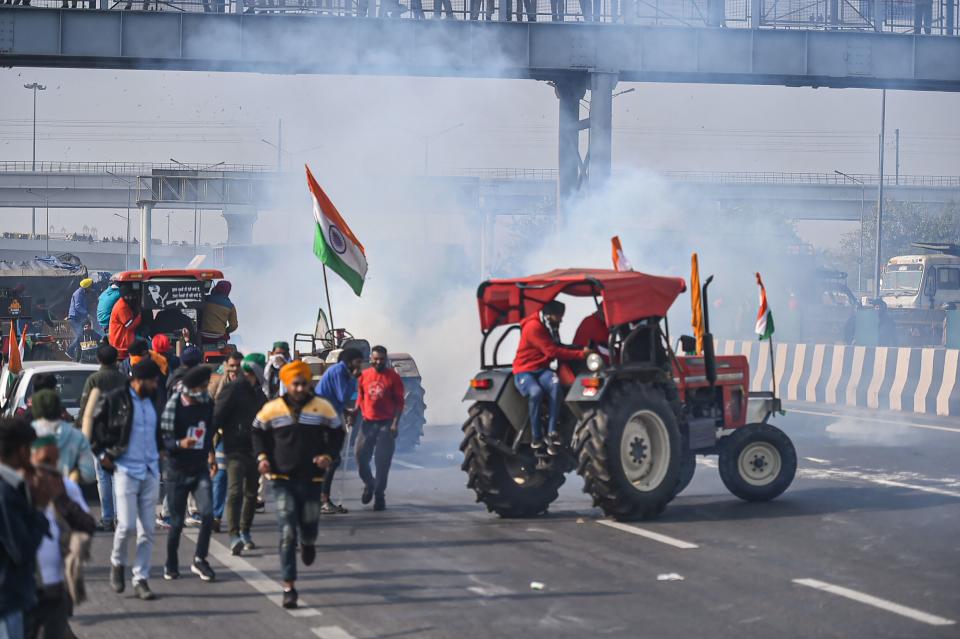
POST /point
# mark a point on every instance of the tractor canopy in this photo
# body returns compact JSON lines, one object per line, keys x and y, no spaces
{"x":626,"y":296}
{"x":164,"y":288}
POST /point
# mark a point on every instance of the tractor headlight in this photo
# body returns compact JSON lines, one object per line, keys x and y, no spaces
{"x":594,"y":362}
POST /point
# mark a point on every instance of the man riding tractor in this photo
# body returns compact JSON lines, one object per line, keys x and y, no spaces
{"x":633,"y":421}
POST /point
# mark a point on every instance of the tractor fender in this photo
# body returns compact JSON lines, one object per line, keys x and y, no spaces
{"x":584,"y":390}
{"x":495,"y":386}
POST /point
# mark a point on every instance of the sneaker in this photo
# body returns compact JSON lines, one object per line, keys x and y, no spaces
{"x":536,"y":445}
{"x":380,"y":504}
{"x":169,"y":574}
{"x":163,"y":522}
{"x":143,"y":591}
{"x":216,"y":525}
{"x":202,"y":569}
{"x":236,"y":546}
{"x":106,"y":525}
{"x":261,"y":506}
{"x":290,"y":598}
{"x":367,"y":495}
{"x":247,"y":541}
{"x":192,"y":520}
{"x":330,"y":508}
{"x":553,"y":444}
{"x":308,"y":553}
{"x":116,"y":578}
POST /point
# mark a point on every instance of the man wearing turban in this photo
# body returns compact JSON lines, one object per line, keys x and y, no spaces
{"x":296,"y":437}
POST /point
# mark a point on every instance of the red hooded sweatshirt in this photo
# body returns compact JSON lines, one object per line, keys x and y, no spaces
{"x":537,"y":348}
{"x":379,"y":394}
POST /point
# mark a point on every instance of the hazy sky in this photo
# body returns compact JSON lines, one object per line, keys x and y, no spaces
{"x":376,"y":126}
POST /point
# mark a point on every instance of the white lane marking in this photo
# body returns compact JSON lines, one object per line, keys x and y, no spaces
{"x":853,"y":475}
{"x":305,"y":612}
{"x":817,"y":460}
{"x":649,"y":534}
{"x":876,"y":602}
{"x":331,"y":632}
{"x":400,"y":462}
{"x":490,"y":591}
{"x":878,"y":420}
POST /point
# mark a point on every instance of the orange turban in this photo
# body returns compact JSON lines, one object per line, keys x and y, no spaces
{"x":294,"y":369}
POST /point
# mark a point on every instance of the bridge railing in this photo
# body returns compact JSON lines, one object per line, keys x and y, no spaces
{"x":938,"y":17}
{"x":125,"y":168}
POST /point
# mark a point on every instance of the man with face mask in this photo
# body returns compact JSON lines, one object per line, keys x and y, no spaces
{"x":380,"y":402}
{"x":296,"y":437}
{"x":187,"y":430}
{"x":338,"y":385}
{"x":126,"y":438}
{"x":278,"y":357}
{"x":539,"y":347}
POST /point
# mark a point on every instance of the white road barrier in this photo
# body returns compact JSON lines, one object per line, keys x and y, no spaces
{"x":913,"y":380}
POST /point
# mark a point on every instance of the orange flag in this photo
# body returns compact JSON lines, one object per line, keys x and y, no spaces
{"x":620,"y":261}
{"x":14,"y":361}
{"x":696,"y":303}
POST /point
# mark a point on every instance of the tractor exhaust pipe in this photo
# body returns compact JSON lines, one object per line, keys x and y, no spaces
{"x":709,"y":357}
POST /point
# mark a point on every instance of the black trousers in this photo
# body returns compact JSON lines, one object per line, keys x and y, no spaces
{"x":376,"y":442}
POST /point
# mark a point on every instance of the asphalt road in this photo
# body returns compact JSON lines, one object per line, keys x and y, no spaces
{"x":864,"y":544}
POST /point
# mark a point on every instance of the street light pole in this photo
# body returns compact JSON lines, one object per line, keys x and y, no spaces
{"x":126,"y":252}
{"x":876,"y":265}
{"x":33,"y":164}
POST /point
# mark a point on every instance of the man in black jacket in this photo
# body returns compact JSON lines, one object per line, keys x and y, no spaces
{"x":24,"y":495}
{"x":187,"y":428}
{"x":236,"y":407}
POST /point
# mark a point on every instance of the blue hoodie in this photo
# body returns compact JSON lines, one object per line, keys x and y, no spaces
{"x":105,"y":304}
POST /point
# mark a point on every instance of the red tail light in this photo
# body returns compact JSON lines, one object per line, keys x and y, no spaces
{"x":481,"y":384}
{"x":591,"y":382}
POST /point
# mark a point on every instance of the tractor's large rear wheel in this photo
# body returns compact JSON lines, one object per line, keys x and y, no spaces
{"x":414,"y":416}
{"x":629,"y":452}
{"x":510,"y":486}
{"x":757,"y":462}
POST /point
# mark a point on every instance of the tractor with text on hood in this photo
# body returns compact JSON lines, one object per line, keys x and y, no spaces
{"x":632,"y":421}
{"x":321,"y":349}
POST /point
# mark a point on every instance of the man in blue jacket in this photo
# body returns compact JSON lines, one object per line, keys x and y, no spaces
{"x":105,"y":304}
{"x":78,"y":314}
{"x":338,"y":385}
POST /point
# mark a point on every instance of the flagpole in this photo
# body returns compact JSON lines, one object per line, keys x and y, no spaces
{"x":773,"y":366}
{"x":326,"y":288}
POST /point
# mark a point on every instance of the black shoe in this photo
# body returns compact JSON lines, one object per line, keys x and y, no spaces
{"x":308,"y":553}
{"x":554,"y":444}
{"x":216,"y":525}
{"x":367,"y":495}
{"x":537,"y":445}
{"x":202,"y":569}
{"x":116,"y":578}
{"x":169,"y":574}
{"x":143,"y":591}
{"x":105,"y":525}
{"x":236,"y":546}
{"x":290,"y":599}
{"x":261,"y":506}
{"x":380,"y":504}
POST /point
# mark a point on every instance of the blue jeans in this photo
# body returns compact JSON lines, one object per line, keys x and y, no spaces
{"x":11,"y":625}
{"x":77,"y":325}
{"x":220,"y":483}
{"x":136,"y":504}
{"x":298,"y":515}
{"x":108,"y":511}
{"x":534,"y":386}
{"x":179,"y":485}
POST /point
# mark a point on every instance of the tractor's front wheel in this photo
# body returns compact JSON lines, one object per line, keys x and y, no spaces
{"x":509,"y":485}
{"x":414,"y":416}
{"x":757,"y":462}
{"x":629,"y":452}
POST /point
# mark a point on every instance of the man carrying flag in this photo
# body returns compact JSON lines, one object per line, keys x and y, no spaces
{"x":334,"y":243}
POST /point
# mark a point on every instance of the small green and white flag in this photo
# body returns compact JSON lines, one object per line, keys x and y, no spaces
{"x":334,"y":243}
{"x":764,"y":326}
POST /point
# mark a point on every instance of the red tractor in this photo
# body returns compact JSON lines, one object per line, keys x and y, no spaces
{"x":172,"y":300}
{"x":633,"y":420}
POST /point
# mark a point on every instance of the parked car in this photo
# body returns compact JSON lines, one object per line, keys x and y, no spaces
{"x":16,"y":388}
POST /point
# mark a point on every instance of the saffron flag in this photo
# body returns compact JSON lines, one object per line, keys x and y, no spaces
{"x":14,"y":352}
{"x":334,"y":243}
{"x":696,"y":303}
{"x":764,"y":328}
{"x":620,"y":261}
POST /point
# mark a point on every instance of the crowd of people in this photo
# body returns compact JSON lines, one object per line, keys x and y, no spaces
{"x":170,"y":440}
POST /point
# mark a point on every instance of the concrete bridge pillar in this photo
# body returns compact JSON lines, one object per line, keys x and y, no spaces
{"x":146,"y":227}
{"x":240,"y":220}
{"x":569,"y":92}
{"x":601,"y":128}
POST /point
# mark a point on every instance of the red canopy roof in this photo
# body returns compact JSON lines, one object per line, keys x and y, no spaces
{"x":627,"y":296}
{"x":178,"y":274}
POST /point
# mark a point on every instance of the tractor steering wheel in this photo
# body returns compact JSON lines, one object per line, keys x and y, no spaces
{"x":337,"y":336}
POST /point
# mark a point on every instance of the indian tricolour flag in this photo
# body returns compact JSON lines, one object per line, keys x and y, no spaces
{"x":764,"y":326}
{"x":334,"y":243}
